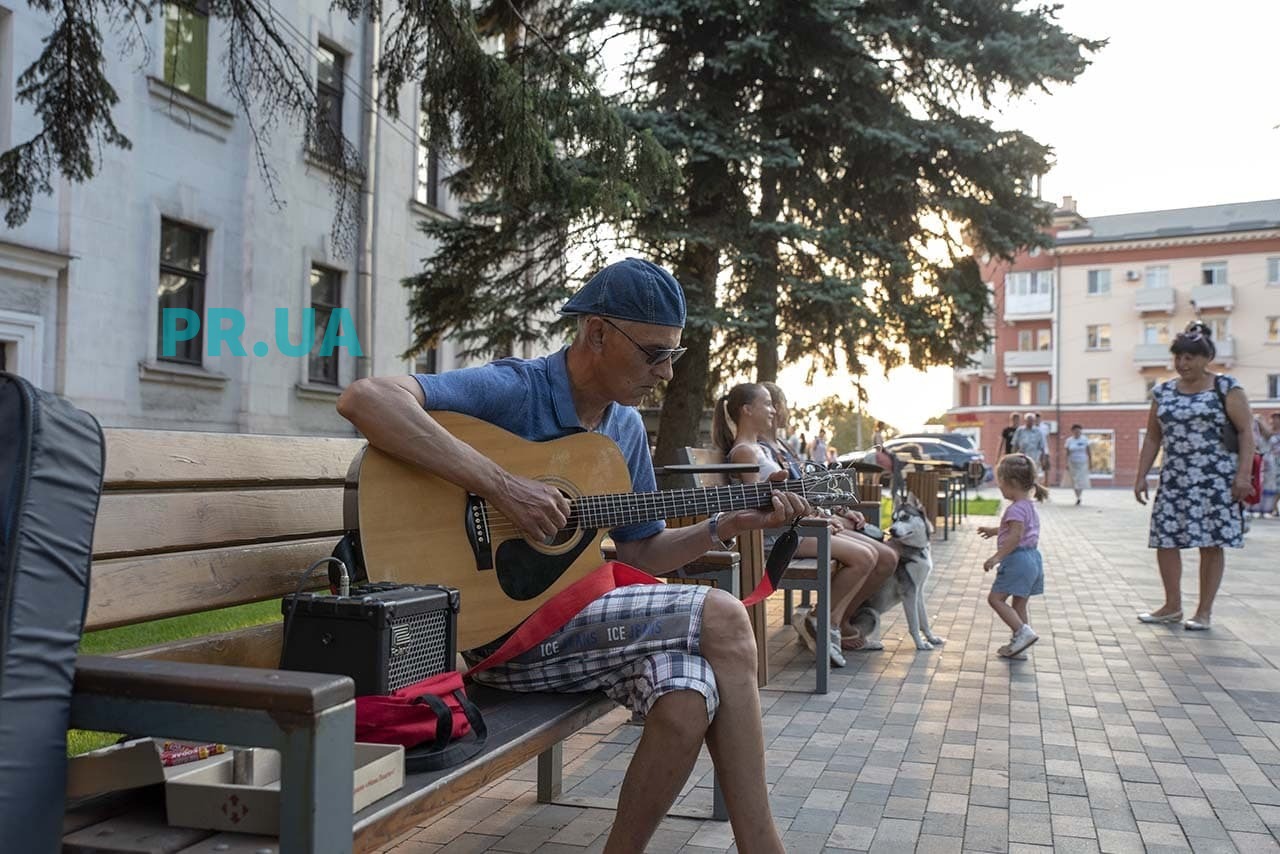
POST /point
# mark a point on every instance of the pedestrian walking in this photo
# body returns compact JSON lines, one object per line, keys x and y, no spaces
{"x":1077,"y":448}
{"x":1021,"y":570}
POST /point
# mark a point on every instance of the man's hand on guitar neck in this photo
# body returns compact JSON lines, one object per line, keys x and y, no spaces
{"x":786,"y":506}
{"x":538,"y":509}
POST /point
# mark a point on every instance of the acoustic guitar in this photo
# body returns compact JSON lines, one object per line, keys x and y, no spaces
{"x":416,"y":528}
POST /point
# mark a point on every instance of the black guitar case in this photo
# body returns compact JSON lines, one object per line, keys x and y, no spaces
{"x":51,"y":467}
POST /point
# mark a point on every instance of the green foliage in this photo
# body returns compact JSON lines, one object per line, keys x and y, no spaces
{"x":838,"y":415}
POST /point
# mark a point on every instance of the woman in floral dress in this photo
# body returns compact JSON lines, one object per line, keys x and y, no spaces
{"x":1201,"y":483}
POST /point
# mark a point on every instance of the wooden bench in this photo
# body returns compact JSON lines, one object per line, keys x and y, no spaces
{"x":193,"y":522}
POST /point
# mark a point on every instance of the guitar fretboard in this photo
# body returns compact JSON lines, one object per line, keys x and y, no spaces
{"x":629,"y":508}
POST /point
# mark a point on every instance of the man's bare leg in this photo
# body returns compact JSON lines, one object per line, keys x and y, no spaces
{"x":674,"y":731}
{"x":736,"y":737}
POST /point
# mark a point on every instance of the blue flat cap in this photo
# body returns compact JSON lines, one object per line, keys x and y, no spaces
{"x":631,"y":290}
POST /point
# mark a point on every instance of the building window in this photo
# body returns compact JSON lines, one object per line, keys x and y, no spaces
{"x":186,"y":46}
{"x":329,"y":79}
{"x":326,"y":295}
{"x":1155,"y":467}
{"x":1155,"y":332}
{"x":1273,"y":271}
{"x":1102,"y":452}
{"x":1099,"y":391}
{"x":1219,"y":326}
{"x":1098,"y":337}
{"x":1042,"y":392}
{"x":1273,"y":330}
{"x":1025,"y":340}
{"x":984,"y":394}
{"x":1099,"y":282}
{"x":427,"y":362}
{"x":1024,"y":393}
{"x":1213,"y":273}
{"x":1044,"y":339}
{"x":1273,"y":386}
{"x":1156,"y":277}
{"x":1026,"y":284}
{"x":182,"y":273}
{"x":427,"y":189}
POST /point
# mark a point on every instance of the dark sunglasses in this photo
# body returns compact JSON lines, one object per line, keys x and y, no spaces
{"x":652,"y":357}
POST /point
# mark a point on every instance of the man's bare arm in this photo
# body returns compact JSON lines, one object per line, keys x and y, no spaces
{"x":391,"y":413}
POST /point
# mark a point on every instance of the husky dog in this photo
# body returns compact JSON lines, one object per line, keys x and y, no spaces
{"x":910,"y":531}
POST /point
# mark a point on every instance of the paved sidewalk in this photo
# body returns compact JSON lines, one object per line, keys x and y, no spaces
{"x":1112,"y":736}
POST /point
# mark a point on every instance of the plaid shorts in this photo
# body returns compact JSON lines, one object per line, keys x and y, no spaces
{"x":635,"y":643}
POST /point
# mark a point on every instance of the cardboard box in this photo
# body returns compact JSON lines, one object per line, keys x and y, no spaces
{"x":126,"y":766}
{"x":211,"y":798}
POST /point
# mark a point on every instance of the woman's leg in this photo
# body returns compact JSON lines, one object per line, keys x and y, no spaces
{"x":1170,"y":563}
{"x":1212,"y":563}
{"x":885,"y":561}
{"x":854,"y":566}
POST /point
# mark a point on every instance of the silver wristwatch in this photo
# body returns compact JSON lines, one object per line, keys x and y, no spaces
{"x":715,"y":537}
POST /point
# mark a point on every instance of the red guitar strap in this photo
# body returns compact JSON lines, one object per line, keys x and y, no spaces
{"x":566,"y":604}
{"x":562,"y":608}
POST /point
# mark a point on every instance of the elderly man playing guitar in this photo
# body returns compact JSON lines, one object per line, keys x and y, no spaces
{"x":693,"y":675}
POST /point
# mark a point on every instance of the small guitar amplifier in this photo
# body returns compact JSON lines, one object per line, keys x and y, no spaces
{"x":384,"y":636}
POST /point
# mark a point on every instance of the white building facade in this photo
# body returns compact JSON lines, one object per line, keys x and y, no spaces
{"x":185,"y":219}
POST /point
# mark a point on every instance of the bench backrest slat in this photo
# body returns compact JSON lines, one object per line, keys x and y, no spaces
{"x":165,"y":458}
{"x":134,"y":589}
{"x":135,"y":523}
{"x":256,"y":646}
{"x":192,"y":522}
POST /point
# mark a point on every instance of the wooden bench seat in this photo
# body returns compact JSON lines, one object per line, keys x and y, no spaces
{"x":194,"y":522}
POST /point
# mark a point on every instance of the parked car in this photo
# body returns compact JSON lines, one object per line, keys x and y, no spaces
{"x":964,"y":440}
{"x":936,"y":449}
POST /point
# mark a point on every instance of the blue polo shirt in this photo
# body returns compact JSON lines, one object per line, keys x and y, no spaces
{"x":531,"y":398}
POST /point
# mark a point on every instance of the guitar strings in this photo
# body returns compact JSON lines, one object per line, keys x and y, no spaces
{"x":602,"y":511}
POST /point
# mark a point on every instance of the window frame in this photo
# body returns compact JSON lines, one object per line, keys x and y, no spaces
{"x":984,"y":394}
{"x":1273,"y":386}
{"x":1098,"y":282}
{"x":1029,"y":337}
{"x":1110,"y":436}
{"x":329,"y":148}
{"x":202,"y":278}
{"x":1147,"y":272}
{"x":1272,"y":272}
{"x":1213,"y":267}
{"x":1093,"y":338}
{"x":196,"y":9}
{"x":1162,"y":327}
{"x":314,"y":358}
{"x":1094,"y":388}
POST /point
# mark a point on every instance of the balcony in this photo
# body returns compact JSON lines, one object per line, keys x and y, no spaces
{"x":1027,"y":360}
{"x":1028,"y":306}
{"x":1213,"y":296}
{"x":1162,"y":299}
{"x":1152,"y":355}
{"x":981,"y":364}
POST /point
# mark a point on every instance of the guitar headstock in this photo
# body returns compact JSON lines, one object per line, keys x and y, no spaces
{"x":823,"y":487}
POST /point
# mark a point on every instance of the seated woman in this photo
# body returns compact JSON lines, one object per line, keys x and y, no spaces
{"x":741,"y":419}
{"x":846,"y":522}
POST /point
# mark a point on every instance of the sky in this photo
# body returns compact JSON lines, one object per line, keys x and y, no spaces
{"x":1180,"y":109}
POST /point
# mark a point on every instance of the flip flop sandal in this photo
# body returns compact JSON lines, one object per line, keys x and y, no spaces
{"x":853,"y":642}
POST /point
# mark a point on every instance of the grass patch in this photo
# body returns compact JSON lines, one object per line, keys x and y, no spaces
{"x":977,"y":507}
{"x":108,"y":641}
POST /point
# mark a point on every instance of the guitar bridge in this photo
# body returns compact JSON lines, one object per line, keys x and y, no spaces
{"x":477,"y":524}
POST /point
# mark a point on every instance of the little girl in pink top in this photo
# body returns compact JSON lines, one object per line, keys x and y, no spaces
{"x":1021,"y":572}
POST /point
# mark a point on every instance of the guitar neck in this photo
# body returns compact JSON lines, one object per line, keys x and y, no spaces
{"x":630,"y":508}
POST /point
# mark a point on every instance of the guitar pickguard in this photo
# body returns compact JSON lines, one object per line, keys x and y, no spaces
{"x":525,"y":573}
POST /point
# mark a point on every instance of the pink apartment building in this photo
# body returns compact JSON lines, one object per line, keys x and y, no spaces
{"x":1082,"y":329}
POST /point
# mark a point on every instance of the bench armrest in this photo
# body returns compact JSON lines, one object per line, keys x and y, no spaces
{"x":252,"y":688}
